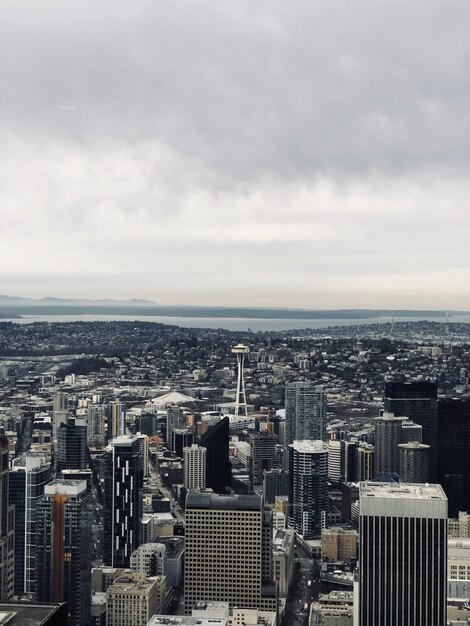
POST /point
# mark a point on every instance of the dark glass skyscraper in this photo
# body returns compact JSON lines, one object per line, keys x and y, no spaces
{"x":454,"y":453}
{"x":122,"y":500}
{"x":218,"y":468}
{"x":418,"y":401}
{"x":72,"y":447}
{"x":305,"y":412}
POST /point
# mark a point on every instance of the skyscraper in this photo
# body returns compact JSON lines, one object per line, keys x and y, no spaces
{"x":387,"y":439}
{"x":234,"y":535}
{"x":116,"y":415}
{"x":418,"y":402}
{"x":28,"y":477}
{"x":263,"y":453}
{"x":308,"y":492}
{"x":305,"y":412}
{"x":96,"y":430}
{"x":7,"y":533}
{"x":402,"y":555}
{"x":71,"y":450}
{"x":454,"y":455}
{"x":63,"y":560}
{"x":414,"y":462}
{"x":218,"y":468}
{"x":194,"y":459}
{"x":122,"y":501}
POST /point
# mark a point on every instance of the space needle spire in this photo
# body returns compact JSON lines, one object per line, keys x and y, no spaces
{"x":240,"y":400}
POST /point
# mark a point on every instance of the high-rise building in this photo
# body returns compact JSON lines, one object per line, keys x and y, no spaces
{"x":218,"y":469}
{"x":149,"y":558}
{"x":122,"y":501}
{"x":133,"y":599}
{"x":414,"y":462}
{"x":181,"y":438}
{"x":7,"y":533}
{"x":305,"y":412}
{"x":275,"y":483}
{"x":116,"y":416}
{"x":263,"y":454}
{"x":194,"y":460}
{"x":308,"y":491}
{"x":63,"y":559}
{"x":174,"y":420}
{"x":402,"y":555}
{"x":334,"y":460}
{"x":387,"y":439}
{"x":240,"y":399}
{"x":365,"y":453}
{"x":96,"y":427}
{"x":239,"y":551}
{"x":454,"y":455}
{"x":58,"y":418}
{"x":71,"y":451}
{"x":418,"y":402}
{"x":28,"y":476}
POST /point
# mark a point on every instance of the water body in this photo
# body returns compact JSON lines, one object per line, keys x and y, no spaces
{"x":231,"y":323}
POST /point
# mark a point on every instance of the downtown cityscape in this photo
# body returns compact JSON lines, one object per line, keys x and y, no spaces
{"x":153,"y":474}
{"x":234,"y":313}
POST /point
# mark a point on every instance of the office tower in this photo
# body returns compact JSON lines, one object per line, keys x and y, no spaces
{"x":133,"y":599}
{"x":387,"y":440}
{"x":305,"y":412}
{"x":275,"y":483}
{"x":96,"y":427}
{"x":334,"y":460}
{"x":144,"y":453}
{"x":402,"y":555}
{"x":232,"y":533}
{"x":414,"y":462}
{"x":240,"y":399}
{"x":181,"y":438}
{"x":122,"y":501}
{"x":7,"y":533}
{"x":308,"y":492}
{"x":59,"y":401}
{"x":454,"y":453}
{"x":418,"y":402}
{"x":365,"y":454}
{"x":218,"y":468}
{"x":63,"y":559}
{"x":28,"y":476}
{"x":410,"y":431}
{"x":149,"y":558}
{"x":71,"y":451}
{"x":349,"y":496}
{"x":174,"y":420}
{"x":116,"y":419}
{"x":147,"y":424}
{"x":58,"y":418}
{"x":263,"y":454}
{"x":194,"y":460}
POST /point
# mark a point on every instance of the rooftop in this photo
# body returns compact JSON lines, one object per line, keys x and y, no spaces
{"x":310,"y":445}
{"x":213,"y":501}
{"x":185,"y":620}
{"x":402,"y":491}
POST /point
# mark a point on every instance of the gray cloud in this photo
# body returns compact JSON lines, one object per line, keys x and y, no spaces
{"x":289,"y":149}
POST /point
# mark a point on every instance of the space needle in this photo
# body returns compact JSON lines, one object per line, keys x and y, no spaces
{"x":240,"y":400}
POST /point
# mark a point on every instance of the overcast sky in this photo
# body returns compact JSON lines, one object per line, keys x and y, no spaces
{"x":266,"y":152}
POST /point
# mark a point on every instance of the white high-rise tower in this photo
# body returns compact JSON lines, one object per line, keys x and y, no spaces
{"x":240,"y":401}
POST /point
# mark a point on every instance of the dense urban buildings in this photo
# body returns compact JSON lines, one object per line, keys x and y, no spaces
{"x":7,"y":546}
{"x":307,"y":494}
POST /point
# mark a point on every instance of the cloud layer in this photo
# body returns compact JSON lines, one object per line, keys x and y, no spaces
{"x":269,"y":153}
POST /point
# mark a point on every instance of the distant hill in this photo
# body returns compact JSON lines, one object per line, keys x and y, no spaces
{"x":49,"y":301}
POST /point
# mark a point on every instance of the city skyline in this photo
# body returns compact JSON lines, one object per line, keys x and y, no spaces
{"x":305,"y":156}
